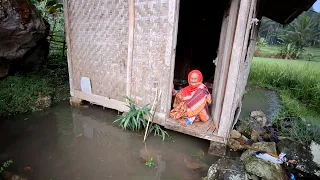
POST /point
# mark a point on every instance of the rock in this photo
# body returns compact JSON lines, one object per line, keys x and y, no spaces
{"x":260,"y":117}
{"x":227,"y":169}
{"x":259,"y":167}
{"x":43,"y":102}
{"x":234,"y":144}
{"x":243,"y":139}
{"x":244,"y":127}
{"x":235,"y":134}
{"x":23,"y":44}
{"x":302,"y":153}
{"x":254,"y":127}
{"x":315,"y":151}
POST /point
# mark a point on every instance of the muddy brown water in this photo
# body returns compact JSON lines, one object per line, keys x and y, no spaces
{"x":82,"y":143}
{"x":65,"y":143}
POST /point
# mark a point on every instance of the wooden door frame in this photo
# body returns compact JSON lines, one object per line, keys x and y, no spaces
{"x":238,"y":48}
{"x":223,"y":61}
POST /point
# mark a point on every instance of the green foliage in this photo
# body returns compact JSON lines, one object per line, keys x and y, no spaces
{"x":302,"y":32}
{"x":19,"y":93}
{"x":150,"y":163}
{"x":298,"y":129}
{"x":137,"y":119}
{"x":303,"y":82}
{"x":5,"y":165}
{"x":299,"y":89}
{"x":158,"y":131}
{"x":288,"y":51}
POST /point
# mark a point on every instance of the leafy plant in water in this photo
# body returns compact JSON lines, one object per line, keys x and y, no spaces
{"x":158,"y":131}
{"x":5,"y":165}
{"x":150,"y":163}
{"x":136,"y":119}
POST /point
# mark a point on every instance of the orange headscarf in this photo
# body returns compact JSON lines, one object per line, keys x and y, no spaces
{"x":189,"y":89}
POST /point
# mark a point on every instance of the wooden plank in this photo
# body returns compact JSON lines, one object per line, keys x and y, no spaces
{"x":130,"y":47}
{"x":217,"y":100}
{"x":244,"y":65}
{"x":159,"y":118}
{"x":198,"y":129}
{"x":173,"y":55}
{"x":227,"y":111}
{"x":68,"y":41}
{"x":102,"y":101}
{"x":225,"y":60}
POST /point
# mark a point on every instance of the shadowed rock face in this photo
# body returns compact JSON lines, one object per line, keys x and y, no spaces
{"x":23,"y":37}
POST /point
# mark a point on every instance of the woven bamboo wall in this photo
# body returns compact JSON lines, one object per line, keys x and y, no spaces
{"x":152,"y":60}
{"x":99,"y":37}
{"x":98,"y":32}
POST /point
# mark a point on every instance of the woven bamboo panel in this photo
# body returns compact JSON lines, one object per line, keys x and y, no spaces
{"x":152,"y":61}
{"x":99,"y":45}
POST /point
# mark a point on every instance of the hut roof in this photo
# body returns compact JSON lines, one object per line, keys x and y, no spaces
{"x":284,"y":11}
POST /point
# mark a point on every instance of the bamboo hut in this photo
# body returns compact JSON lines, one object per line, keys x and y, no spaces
{"x":120,"y":48}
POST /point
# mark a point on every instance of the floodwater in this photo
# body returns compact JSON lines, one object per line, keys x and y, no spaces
{"x":257,"y":99}
{"x":64,"y":143}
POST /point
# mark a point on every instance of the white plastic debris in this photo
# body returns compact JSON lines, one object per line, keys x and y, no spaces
{"x":270,"y":158}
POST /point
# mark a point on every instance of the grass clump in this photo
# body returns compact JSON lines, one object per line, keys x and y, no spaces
{"x":137,"y":118}
{"x":298,"y":85}
{"x":28,"y":92}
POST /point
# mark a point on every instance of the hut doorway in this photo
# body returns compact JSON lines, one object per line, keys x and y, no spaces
{"x":198,"y":38}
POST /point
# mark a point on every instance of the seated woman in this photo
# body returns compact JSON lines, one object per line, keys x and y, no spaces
{"x":191,"y":103}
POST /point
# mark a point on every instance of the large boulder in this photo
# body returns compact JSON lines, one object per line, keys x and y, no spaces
{"x":226,"y":169}
{"x":23,"y":34}
{"x":306,"y":156}
{"x":259,"y":167}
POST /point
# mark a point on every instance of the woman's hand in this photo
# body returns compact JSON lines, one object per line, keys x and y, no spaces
{"x":173,"y":90}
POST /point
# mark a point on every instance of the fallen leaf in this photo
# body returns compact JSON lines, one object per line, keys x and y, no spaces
{"x":27,"y":169}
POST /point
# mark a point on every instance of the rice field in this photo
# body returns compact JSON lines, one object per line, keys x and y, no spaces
{"x":273,"y":50}
{"x":297,"y":81}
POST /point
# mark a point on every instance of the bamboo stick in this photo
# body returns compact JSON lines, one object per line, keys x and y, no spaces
{"x":153,"y":108}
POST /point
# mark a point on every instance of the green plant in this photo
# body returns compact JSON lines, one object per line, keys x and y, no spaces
{"x":300,"y":130}
{"x":150,"y":163}
{"x":137,"y":118}
{"x":5,"y":165}
{"x":158,"y":131}
{"x":300,"y":80}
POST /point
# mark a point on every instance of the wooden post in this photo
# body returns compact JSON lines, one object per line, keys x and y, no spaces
{"x":225,"y":47}
{"x":130,"y":47}
{"x":173,"y":55}
{"x":69,"y":48}
{"x":228,"y":109}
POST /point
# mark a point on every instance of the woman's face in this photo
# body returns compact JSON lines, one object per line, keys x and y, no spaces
{"x":194,"y":79}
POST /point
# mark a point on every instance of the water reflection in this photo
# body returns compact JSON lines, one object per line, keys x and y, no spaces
{"x":260,"y":99}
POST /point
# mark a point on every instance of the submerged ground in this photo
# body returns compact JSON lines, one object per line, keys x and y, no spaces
{"x":82,"y":143}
